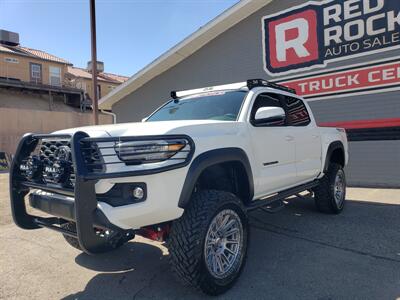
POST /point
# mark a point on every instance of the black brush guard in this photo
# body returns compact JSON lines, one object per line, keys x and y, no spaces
{"x":84,"y":213}
{"x":85,"y":204}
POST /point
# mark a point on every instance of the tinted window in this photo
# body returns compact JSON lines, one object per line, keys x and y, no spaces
{"x":297,"y":112}
{"x":223,"y":106}
{"x":266,"y":100}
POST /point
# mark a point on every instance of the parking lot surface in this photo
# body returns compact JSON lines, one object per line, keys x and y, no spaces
{"x":297,"y":253}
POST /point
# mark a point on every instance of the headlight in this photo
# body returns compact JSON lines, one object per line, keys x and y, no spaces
{"x":138,"y":152}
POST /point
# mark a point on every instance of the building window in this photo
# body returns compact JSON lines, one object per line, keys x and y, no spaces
{"x":98,"y":91}
{"x":55,"y":76}
{"x":36,"y":73}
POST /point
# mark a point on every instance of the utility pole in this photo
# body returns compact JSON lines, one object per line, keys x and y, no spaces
{"x":94,"y":61}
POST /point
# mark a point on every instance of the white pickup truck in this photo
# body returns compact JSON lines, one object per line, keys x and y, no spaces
{"x":188,"y":175}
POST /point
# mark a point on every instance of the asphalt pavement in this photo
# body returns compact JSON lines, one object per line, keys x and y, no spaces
{"x":297,"y":253}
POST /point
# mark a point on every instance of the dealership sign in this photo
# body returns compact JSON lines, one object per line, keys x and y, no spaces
{"x":376,"y":76}
{"x":317,"y":33}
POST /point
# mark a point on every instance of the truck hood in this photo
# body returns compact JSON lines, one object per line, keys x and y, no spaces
{"x":189,"y":127}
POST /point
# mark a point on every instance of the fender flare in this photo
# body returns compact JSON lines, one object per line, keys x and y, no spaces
{"x":210,"y":158}
{"x":332,"y":147}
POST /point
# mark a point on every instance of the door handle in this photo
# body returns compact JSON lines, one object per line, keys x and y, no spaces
{"x":315,"y":136}
{"x":289,"y":138}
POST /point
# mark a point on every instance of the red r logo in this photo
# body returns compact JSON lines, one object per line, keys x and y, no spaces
{"x":293,"y":40}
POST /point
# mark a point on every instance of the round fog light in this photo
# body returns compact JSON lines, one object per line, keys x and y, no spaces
{"x":138,"y":193}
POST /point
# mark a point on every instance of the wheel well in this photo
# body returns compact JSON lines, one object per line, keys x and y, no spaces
{"x":227,"y":176}
{"x":337,"y":156}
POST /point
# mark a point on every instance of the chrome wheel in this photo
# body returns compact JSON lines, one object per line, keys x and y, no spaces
{"x":339,"y":188}
{"x":223,"y":244}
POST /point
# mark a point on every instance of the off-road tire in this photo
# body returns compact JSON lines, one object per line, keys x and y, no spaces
{"x":324,"y":192}
{"x":187,"y":239}
{"x":117,"y":241}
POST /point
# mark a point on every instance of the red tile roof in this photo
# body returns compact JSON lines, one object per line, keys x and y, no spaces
{"x":79,"y":72}
{"x":5,"y":49}
{"x":115,"y":77}
{"x":44,"y":55}
{"x":74,"y":71}
{"x":108,"y":77}
{"x":39,"y":54}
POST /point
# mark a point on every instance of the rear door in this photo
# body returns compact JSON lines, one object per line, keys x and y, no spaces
{"x":307,"y":138}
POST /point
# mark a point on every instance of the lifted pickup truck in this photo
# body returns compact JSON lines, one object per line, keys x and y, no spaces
{"x":188,"y":175}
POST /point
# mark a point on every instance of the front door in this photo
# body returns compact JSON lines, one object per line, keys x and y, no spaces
{"x":274,"y":151}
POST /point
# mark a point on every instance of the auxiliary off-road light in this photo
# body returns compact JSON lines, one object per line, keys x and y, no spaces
{"x":138,"y":152}
{"x":138,"y":193}
{"x":32,"y":168}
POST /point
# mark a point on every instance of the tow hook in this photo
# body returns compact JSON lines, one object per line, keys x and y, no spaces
{"x":157,"y":233}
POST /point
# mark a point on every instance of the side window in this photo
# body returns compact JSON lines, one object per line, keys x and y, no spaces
{"x":266,"y":100}
{"x":296,"y":111}
{"x":36,"y":73}
{"x":55,"y":76}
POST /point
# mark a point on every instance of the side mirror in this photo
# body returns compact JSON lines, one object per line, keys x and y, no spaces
{"x":269,"y":116}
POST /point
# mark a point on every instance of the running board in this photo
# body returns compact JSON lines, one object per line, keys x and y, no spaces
{"x":273,"y":207}
{"x":274,"y":203}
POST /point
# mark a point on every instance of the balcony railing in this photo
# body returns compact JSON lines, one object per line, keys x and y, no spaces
{"x":36,"y":85}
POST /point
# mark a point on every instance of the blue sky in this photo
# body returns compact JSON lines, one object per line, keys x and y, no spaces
{"x":130,"y":33}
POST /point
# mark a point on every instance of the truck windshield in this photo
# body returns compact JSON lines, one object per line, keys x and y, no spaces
{"x":221,"y":105}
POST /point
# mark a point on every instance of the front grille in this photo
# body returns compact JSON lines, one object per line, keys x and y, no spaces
{"x":51,"y":162}
{"x":92,"y":157}
{"x":48,"y":149}
{"x":54,"y":158}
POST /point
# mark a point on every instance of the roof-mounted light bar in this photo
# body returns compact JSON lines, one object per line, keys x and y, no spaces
{"x":210,"y":89}
{"x":250,"y":84}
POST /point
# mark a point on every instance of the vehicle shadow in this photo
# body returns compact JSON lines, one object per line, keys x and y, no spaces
{"x":127,"y":272}
{"x":296,"y":253}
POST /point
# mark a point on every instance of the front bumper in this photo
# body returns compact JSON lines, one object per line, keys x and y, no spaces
{"x":78,"y":204}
